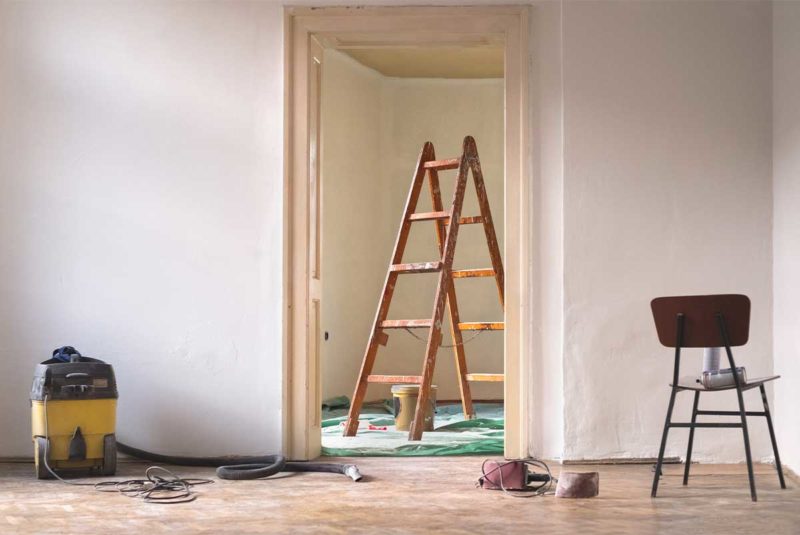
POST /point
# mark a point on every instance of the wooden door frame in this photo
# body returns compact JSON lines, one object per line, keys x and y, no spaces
{"x":301,"y":381}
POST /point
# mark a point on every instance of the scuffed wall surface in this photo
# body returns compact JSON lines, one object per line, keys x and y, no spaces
{"x":786,"y":231}
{"x":141,"y":213}
{"x":667,"y":191}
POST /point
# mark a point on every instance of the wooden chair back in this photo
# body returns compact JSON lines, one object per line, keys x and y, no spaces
{"x":700,"y":324}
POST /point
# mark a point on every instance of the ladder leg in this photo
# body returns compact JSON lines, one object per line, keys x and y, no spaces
{"x":460,"y":356}
{"x":377,"y":337}
{"x":488,"y":224}
{"x":418,"y":425}
{"x":442,"y":290}
{"x":452,"y":306}
{"x":361,"y":388}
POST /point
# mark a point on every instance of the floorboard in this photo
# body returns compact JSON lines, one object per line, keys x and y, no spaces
{"x":410,"y":495}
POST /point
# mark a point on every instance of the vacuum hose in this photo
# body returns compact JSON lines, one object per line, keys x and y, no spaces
{"x":239,"y":468}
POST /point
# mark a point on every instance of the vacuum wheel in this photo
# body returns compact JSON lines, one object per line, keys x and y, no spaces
{"x":109,"y":455}
{"x":40,"y":448}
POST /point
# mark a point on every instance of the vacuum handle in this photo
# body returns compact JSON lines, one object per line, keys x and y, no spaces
{"x":76,"y":388}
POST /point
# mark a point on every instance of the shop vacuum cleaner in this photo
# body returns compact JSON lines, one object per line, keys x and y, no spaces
{"x":73,"y":416}
{"x":74,"y":404}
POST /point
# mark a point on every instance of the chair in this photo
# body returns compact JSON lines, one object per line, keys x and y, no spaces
{"x":709,"y":321}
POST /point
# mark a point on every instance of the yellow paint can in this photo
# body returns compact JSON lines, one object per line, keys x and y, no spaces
{"x":405,"y":404}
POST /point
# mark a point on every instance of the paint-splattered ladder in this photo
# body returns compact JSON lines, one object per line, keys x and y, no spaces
{"x":447,"y":225}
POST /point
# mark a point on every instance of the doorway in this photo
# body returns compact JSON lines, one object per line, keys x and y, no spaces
{"x":312,"y":34}
{"x":379,"y":105}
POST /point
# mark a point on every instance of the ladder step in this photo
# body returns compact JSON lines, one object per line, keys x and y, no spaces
{"x":487,"y":377}
{"x":421,"y":267}
{"x":396,"y":379}
{"x":482,"y":326}
{"x":471,"y":220}
{"x":441,"y":165}
{"x":406,"y":324}
{"x":432,"y":216}
{"x":467,"y":273}
{"x":429,"y":216}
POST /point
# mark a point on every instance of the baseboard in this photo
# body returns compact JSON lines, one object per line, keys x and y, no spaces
{"x":458,"y":401}
{"x":623,"y":460}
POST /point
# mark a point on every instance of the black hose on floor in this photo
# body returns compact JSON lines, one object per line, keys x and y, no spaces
{"x":240,"y":468}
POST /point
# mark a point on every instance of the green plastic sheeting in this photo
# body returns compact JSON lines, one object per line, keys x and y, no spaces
{"x":452,"y":434}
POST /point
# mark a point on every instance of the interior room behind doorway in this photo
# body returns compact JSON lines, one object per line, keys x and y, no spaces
{"x":378,"y":108}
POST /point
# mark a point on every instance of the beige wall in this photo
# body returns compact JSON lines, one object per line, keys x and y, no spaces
{"x":667,"y":120}
{"x":786,"y":229}
{"x":353,"y":240}
{"x":383,"y":122}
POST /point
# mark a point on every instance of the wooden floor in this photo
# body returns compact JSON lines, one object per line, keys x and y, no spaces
{"x":410,"y":495}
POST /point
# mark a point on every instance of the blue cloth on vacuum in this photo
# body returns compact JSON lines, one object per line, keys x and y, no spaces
{"x":65,"y":353}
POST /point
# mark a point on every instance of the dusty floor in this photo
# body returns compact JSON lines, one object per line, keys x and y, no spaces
{"x":411,"y":495}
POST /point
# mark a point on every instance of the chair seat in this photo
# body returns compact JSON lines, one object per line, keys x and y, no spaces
{"x":690,"y":383}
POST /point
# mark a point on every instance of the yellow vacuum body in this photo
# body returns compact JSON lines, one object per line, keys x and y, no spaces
{"x":73,"y":416}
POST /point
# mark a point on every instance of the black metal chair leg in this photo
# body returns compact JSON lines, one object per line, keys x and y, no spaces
{"x":746,"y":436}
{"x":691,"y":439}
{"x":772,"y":436}
{"x":660,"y":461}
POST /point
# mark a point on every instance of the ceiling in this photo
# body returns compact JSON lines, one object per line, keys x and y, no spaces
{"x":432,"y":62}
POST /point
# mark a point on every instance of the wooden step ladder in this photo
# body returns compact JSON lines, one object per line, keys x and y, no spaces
{"x":447,"y":225}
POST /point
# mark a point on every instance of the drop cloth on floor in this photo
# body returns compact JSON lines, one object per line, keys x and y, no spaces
{"x":452,"y":434}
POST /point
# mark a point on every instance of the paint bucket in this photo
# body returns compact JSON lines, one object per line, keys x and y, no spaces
{"x":405,"y":404}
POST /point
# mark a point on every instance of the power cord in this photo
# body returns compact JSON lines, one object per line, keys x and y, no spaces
{"x":530,"y":492}
{"x":156,"y":488}
{"x":160,"y":485}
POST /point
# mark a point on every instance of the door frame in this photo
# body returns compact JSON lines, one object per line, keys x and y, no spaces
{"x":301,"y":377}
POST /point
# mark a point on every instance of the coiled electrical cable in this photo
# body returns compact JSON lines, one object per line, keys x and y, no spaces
{"x":159,"y":486}
{"x":163,"y":486}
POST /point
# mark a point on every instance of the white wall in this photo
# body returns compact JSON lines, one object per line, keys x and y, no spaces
{"x":373,"y":129}
{"x":547,"y":135}
{"x":786,"y":226}
{"x":141,"y":213}
{"x":158,"y":128}
{"x":667,"y":121}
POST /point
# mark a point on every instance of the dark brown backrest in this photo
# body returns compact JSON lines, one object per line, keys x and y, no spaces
{"x":700,"y":327}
